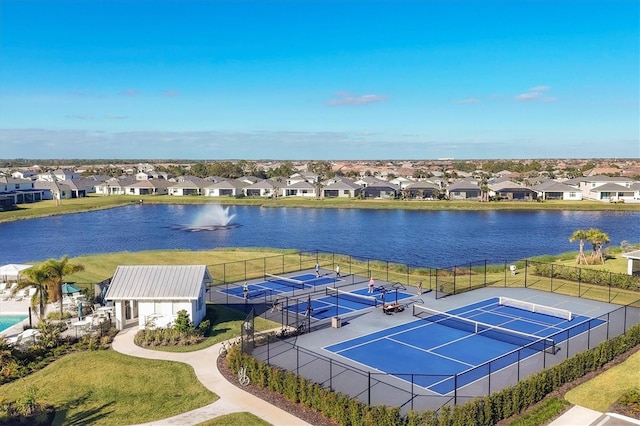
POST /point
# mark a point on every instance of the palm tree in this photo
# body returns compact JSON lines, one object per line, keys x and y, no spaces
{"x":39,"y":278}
{"x":56,"y":270}
{"x":598,"y":238}
{"x":580,"y":235}
{"x":484,"y":189}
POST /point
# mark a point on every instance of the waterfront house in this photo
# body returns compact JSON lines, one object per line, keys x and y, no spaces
{"x":225,"y":188}
{"x":464,"y":190}
{"x":552,"y":190}
{"x":341,"y":188}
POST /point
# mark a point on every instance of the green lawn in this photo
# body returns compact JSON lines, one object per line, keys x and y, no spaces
{"x":107,"y":388}
{"x":603,"y":390}
{"x":235,"y":419}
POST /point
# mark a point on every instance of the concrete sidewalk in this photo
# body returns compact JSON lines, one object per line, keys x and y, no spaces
{"x":232,"y":399}
{"x":581,"y":416}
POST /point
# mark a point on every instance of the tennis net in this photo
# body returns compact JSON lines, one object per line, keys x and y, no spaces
{"x":534,"y":307}
{"x":492,"y":331}
{"x":353,"y":297}
{"x":291,"y":282}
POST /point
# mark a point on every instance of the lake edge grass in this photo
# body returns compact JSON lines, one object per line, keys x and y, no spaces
{"x":99,"y":202}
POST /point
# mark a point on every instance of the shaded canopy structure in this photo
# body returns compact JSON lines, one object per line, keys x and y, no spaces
{"x":11,"y":272}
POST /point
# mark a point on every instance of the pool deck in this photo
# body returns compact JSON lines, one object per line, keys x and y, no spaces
{"x":12,"y":307}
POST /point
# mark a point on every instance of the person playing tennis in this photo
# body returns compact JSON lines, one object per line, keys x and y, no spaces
{"x":372,"y":284}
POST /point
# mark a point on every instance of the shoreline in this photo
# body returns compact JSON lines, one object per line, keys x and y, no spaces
{"x":91,"y":203}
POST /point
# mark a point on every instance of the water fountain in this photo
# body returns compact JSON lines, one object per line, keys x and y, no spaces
{"x":213,"y":217}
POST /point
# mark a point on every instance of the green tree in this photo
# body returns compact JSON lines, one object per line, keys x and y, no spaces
{"x":581,"y":236}
{"x":38,"y":277}
{"x":598,"y":238}
{"x":56,"y":270}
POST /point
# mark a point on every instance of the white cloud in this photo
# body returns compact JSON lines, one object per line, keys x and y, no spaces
{"x":346,"y":98}
{"x":536,"y":93}
{"x":467,"y":101}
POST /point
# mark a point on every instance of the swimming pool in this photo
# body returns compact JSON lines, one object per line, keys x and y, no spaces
{"x":7,"y":321}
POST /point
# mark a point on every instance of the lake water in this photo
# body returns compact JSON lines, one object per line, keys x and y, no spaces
{"x":417,"y":238}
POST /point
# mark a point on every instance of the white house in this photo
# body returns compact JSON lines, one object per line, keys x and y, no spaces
{"x":153,"y":294}
{"x":552,"y":190}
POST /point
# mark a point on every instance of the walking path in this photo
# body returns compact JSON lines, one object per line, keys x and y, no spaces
{"x":232,"y":399}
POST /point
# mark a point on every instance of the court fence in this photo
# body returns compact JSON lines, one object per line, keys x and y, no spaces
{"x":404,"y":389}
{"x":411,"y":391}
{"x":575,"y":281}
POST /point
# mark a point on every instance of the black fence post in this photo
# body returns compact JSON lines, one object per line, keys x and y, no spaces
{"x":330,"y":374}
{"x":526,"y":272}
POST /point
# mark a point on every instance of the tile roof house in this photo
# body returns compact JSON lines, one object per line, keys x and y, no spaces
{"x":147,"y":294}
{"x":552,"y":190}
{"x":464,"y":190}
{"x":509,"y":190}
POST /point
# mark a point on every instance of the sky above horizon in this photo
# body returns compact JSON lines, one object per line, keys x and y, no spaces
{"x":319,"y":80}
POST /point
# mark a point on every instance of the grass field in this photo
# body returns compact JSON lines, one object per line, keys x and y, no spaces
{"x":602,"y":391}
{"x":102,"y":387}
{"x":107,"y":388}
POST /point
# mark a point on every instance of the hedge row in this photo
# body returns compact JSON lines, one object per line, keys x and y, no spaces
{"x":590,"y":276}
{"x":481,"y":411}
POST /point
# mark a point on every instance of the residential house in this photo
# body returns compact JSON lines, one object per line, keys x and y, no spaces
{"x":18,"y":191}
{"x":464,"y":190}
{"x":309,"y":177}
{"x":588,"y":185}
{"x":613,"y":192}
{"x":188,"y":185}
{"x":148,"y":187}
{"x":25,"y":174}
{"x":512,"y":191}
{"x":341,"y":188}
{"x":261,"y":188}
{"x":149,"y":294}
{"x":422,"y":190}
{"x":381,"y":189}
{"x":552,"y":190}
{"x":300,"y":189}
{"x":114,"y":186}
{"x":225,"y":188}
{"x":54,"y":190}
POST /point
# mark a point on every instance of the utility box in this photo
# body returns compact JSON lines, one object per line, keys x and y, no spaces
{"x":336,"y":322}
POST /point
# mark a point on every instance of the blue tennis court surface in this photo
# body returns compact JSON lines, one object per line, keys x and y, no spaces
{"x":346,"y":303}
{"x":433,"y":352}
{"x":275,"y":286}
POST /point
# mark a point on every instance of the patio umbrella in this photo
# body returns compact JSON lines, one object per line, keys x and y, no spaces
{"x":80,"y":313}
{"x":68,"y":288}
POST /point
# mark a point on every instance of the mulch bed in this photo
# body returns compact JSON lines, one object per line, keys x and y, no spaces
{"x":298,"y":410}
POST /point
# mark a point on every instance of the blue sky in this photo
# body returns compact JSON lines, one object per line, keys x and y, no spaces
{"x":319,"y":80}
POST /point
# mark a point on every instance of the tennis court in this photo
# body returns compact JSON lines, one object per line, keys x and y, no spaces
{"x":338,"y":303}
{"x":274,"y":285}
{"x":445,"y":349}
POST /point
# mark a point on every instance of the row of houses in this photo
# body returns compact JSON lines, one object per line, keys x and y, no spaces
{"x":602,"y":188}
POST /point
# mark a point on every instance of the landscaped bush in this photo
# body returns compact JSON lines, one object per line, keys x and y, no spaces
{"x":589,"y":276}
{"x":17,"y":362}
{"x":183,"y":333}
{"x":481,"y":411}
